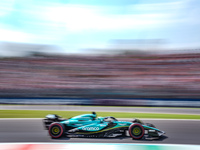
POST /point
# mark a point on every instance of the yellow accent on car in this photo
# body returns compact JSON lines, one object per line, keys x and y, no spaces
{"x":101,"y":130}
{"x":55,"y":130}
{"x":136,"y":131}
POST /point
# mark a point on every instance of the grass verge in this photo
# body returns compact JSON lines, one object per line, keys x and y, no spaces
{"x":68,"y":114}
{"x":100,"y":106}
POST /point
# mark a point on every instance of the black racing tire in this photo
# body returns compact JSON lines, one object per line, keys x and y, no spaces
{"x":56,"y":130}
{"x":136,"y":131}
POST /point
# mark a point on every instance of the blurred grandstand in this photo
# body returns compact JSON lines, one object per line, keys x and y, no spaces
{"x":127,"y":75}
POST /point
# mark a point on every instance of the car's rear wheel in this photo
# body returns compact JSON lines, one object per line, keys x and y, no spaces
{"x":136,"y":131}
{"x":56,"y":130}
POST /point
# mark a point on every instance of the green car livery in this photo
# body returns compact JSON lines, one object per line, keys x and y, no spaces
{"x":89,"y":125}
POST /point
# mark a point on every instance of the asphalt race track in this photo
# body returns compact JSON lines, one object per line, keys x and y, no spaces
{"x":31,"y":130}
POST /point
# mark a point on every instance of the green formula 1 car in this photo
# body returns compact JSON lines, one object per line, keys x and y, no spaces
{"x":89,"y":125}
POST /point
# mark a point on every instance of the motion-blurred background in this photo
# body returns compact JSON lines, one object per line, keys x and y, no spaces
{"x":114,"y":50}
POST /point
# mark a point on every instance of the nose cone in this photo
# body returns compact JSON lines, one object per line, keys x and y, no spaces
{"x":161,"y":133}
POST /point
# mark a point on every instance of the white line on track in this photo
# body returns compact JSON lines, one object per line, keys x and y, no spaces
{"x":128,"y":119}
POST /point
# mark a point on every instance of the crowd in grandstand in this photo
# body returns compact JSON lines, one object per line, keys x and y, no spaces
{"x":172,"y":75}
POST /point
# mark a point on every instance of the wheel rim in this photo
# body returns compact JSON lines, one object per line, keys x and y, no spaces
{"x":55,"y":130}
{"x":136,"y":131}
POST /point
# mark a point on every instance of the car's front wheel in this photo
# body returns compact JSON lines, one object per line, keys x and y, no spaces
{"x":56,"y":130}
{"x":136,"y":131}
